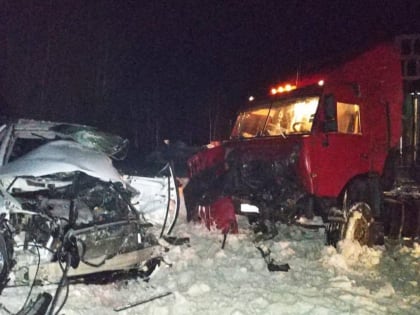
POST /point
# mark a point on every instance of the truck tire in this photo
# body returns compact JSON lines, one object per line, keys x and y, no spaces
{"x":350,"y":224}
{"x":356,"y":219}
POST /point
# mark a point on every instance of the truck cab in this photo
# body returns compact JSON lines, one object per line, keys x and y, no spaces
{"x":317,"y":146}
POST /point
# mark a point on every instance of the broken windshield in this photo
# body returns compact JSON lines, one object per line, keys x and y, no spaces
{"x":279,"y":118}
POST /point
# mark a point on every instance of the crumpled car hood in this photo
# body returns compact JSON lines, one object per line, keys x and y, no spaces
{"x":112,"y":145}
{"x":62,"y":156}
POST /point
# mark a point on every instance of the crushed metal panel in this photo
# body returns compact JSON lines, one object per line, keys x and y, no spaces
{"x":4,"y":144}
{"x":51,"y":272}
{"x":62,"y":156}
{"x":157,"y":199}
{"x":64,"y":181}
{"x":8,"y":204}
{"x":90,"y":137}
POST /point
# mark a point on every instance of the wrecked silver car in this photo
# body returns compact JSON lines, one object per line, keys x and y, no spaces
{"x":62,"y":199}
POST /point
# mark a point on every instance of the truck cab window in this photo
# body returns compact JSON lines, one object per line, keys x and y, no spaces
{"x":250,"y":123}
{"x":292,"y":116}
{"x":348,"y":118}
{"x":286,"y":116}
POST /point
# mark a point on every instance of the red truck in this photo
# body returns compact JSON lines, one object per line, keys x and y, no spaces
{"x":330,"y":144}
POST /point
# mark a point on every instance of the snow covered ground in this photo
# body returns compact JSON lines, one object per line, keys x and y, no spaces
{"x":205,"y":279}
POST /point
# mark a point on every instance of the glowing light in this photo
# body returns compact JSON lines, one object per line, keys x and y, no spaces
{"x":251,"y":98}
{"x":283,"y":88}
{"x":321,"y":82}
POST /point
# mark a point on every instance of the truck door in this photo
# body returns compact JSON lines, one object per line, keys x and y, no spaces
{"x":339,"y":146}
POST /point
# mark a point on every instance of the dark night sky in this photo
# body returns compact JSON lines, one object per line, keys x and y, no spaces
{"x":160,"y":68}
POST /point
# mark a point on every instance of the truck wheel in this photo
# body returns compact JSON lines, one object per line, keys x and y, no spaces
{"x":351,"y":224}
{"x":355,"y":219}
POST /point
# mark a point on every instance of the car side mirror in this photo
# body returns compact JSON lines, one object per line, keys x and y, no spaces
{"x":330,"y":114}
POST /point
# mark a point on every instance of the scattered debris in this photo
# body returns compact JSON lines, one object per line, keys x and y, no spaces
{"x":174,"y":240}
{"x":37,"y":307}
{"x":271,"y":264}
{"x":130,"y":305}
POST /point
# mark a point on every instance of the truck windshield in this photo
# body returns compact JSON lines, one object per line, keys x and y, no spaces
{"x":279,"y":118}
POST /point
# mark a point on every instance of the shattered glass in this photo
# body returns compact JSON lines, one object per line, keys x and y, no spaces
{"x":111,"y":145}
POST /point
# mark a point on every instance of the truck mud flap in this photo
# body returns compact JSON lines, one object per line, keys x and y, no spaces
{"x":220,"y":213}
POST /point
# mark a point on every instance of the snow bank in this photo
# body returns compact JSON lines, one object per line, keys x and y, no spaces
{"x":205,"y":279}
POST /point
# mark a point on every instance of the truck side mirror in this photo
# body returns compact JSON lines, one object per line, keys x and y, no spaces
{"x":330,"y":114}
